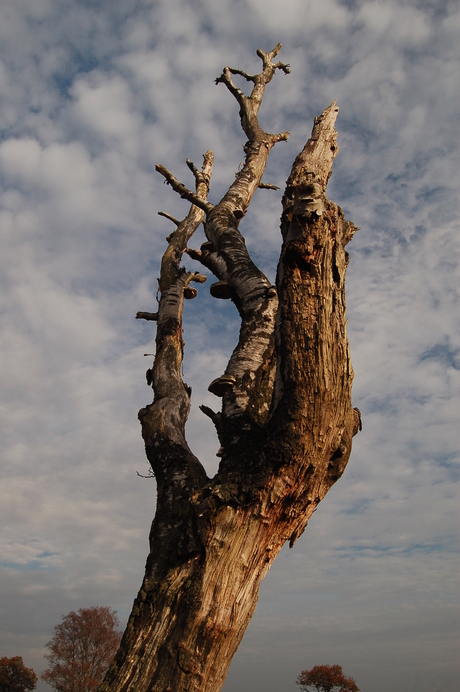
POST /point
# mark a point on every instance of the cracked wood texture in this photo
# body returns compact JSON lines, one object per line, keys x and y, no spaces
{"x":286,"y":422}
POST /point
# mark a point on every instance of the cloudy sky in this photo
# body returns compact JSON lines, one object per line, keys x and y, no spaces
{"x":93,"y":94}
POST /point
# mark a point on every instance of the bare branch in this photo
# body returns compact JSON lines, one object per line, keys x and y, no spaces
{"x":281,"y":137}
{"x":150,"y":474}
{"x":216,"y":419}
{"x":251,"y":104}
{"x":248,"y":77}
{"x":214,"y":261}
{"x":226,"y":79}
{"x":184,"y":192}
{"x":168,"y":216}
{"x":194,"y":254}
{"x":283,"y":66}
{"x":208,"y":411}
{"x":165,"y":374}
{"x":268,"y":186}
{"x":230,"y":262}
{"x":198,"y":278}
{"x":150,"y":316}
{"x":268,"y":57}
{"x":202,"y":176}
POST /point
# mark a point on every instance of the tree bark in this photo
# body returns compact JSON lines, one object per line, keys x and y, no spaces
{"x":286,"y":423}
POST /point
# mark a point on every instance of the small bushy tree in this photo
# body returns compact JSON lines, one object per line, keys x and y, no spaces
{"x":82,"y":649}
{"x":15,"y":677}
{"x":326,"y":679}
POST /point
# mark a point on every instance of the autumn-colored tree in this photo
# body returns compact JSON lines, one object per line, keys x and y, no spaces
{"x":15,"y":677}
{"x":326,"y":679}
{"x":82,"y":649}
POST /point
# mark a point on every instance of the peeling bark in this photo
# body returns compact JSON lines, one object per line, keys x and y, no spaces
{"x":286,"y":423}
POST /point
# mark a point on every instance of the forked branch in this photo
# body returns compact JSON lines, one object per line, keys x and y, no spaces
{"x":183,"y":191}
{"x":165,"y":419}
{"x":249,"y":105}
{"x":250,"y":371}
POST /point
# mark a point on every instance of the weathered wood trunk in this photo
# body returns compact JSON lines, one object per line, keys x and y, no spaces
{"x":286,"y":423}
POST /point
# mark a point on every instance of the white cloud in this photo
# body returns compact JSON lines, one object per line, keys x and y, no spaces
{"x":406,"y":26}
{"x":105,"y":106}
{"x":297,"y":16}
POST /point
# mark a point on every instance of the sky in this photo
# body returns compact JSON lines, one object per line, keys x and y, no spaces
{"x":93,"y":95}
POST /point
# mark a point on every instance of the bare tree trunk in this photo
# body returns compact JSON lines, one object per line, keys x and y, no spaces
{"x":286,"y":423}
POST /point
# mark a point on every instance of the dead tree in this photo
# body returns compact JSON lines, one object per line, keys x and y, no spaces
{"x":286,"y":423}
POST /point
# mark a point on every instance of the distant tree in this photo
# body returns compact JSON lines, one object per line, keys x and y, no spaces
{"x":82,"y":649}
{"x":15,"y":677}
{"x":326,"y":679}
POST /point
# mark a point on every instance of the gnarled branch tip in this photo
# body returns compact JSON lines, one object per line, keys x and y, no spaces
{"x":168,"y":216}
